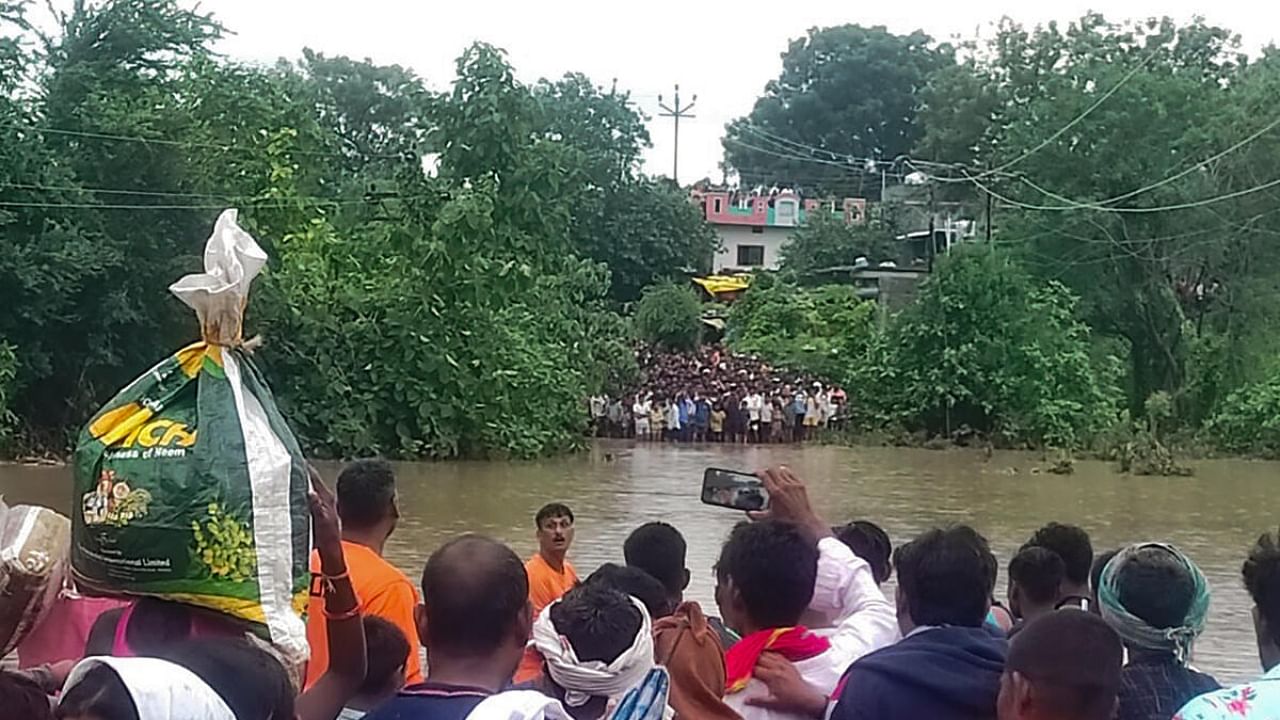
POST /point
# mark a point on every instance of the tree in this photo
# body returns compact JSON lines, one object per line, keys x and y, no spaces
{"x":849,"y":91}
{"x":1094,"y":133}
{"x":669,"y":315}
{"x":826,"y":241}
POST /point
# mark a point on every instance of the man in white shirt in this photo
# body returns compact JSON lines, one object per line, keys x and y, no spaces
{"x":640,"y":413}
{"x":754,"y":405}
{"x":785,"y":567}
{"x":766,"y":419}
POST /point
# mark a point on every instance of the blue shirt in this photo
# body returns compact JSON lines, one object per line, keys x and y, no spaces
{"x":799,"y":405}
{"x":1259,"y":700}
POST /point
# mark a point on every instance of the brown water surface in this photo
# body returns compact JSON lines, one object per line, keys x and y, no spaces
{"x":1214,"y":516}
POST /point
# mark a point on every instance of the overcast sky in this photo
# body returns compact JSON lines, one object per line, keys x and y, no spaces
{"x":722,"y":51}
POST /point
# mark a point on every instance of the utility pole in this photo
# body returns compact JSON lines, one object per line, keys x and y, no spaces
{"x":676,"y":111}
{"x":988,"y":211}
{"x":933,"y":211}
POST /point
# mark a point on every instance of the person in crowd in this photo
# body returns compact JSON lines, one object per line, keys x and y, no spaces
{"x":701,"y":417}
{"x":871,"y":543}
{"x":369,"y":512}
{"x":475,"y":620}
{"x":673,"y":419}
{"x":597,"y":644}
{"x":716,"y":422}
{"x":1061,"y":666}
{"x":550,"y":572}
{"x":735,"y":421}
{"x":597,"y":405}
{"x":614,"y":417}
{"x":233,"y":678}
{"x":658,"y":420}
{"x":1260,"y":699}
{"x":753,"y":403}
{"x":1036,"y":575}
{"x":148,"y":624}
{"x":799,"y":406}
{"x":781,"y":567}
{"x":947,"y":666}
{"x":684,"y":640}
{"x":640,"y":410}
{"x":687,"y":410}
{"x":22,"y":697}
{"x":386,"y":654}
{"x":781,"y":420}
{"x":63,"y":632}
{"x":1095,"y":577}
{"x":1072,"y":544}
{"x":1157,"y":600}
{"x":636,"y":583}
{"x":812,"y":413}
{"x":766,"y":419}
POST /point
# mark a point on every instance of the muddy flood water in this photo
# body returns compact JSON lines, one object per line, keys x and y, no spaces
{"x":1214,"y":516}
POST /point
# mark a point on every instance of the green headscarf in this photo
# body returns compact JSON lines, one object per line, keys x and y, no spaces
{"x":1135,"y":631}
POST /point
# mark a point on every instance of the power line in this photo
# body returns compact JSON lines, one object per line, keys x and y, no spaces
{"x":110,"y":191}
{"x":1165,"y":208}
{"x":1074,"y":121}
{"x":176,"y":143}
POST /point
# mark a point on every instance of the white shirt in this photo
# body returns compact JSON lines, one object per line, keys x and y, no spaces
{"x":861,"y":621}
{"x":766,"y":411}
{"x":673,"y":416}
{"x":754,"y":402}
{"x":641,"y":410}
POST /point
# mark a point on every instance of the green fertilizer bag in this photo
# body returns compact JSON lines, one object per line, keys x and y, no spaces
{"x":189,"y":485}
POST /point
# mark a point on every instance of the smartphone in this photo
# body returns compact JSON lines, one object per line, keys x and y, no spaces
{"x":733,"y":489}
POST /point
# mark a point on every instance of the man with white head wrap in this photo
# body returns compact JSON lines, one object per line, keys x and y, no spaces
{"x":597,"y":645}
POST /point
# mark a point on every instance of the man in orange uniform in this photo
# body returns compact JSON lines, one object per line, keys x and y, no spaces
{"x":550,"y":574}
{"x":367,"y":508}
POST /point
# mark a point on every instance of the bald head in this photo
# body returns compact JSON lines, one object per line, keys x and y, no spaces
{"x":476,"y":596}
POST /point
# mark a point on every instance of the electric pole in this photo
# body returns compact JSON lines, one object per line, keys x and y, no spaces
{"x":676,"y":111}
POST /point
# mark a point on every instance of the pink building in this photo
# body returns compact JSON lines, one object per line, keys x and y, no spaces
{"x":754,"y":228}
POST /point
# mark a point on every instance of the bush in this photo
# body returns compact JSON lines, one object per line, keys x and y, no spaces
{"x":1248,"y":420}
{"x":985,"y":347}
{"x":8,"y":375}
{"x":669,"y":315}
{"x":823,"y":331}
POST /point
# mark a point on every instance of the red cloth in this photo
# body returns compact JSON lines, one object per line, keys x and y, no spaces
{"x":792,"y":643}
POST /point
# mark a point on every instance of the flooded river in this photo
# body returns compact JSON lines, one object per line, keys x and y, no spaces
{"x":1214,"y":516}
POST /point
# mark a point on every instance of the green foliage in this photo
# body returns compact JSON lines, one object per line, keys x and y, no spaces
{"x":669,"y":315}
{"x":824,"y":331}
{"x":825,"y":241}
{"x":985,"y":346}
{"x":8,"y":371}
{"x":849,"y":90}
{"x":1249,"y":419}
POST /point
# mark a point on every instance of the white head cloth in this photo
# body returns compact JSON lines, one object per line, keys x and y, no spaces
{"x":583,"y":680}
{"x":519,"y":705}
{"x":161,"y":690}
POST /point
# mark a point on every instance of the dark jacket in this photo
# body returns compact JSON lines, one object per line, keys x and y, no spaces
{"x":947,"y":673}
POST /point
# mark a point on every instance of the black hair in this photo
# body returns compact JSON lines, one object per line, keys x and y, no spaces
{"x":636,"y":583}
{"x":947,"y":576}
{"x":552,"y":510}
{"x":1072,"y":545}
{"x":249,"y":679}
{"x":658,"y":549}
{"x":473,"y":588}
{"x":23,"y":698}
{"x":1038,"y":573}
{"x":386,"y":653}
{"x":1156,"y":587}
{"x":1073,"y":660}
{"x":99,"y":693}
{"x":871,"y":543}
{"x":598,"y":621}
{"x":1261,"y":573}
{"x":773,"y":564}
{"x":1099,"y":564}
{"x":366,"y":493}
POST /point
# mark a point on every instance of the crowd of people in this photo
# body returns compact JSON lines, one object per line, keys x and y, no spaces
{"x":719,"y":396}
{"x":801,"y":629}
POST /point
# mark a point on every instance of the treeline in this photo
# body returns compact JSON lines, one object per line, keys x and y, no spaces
{"x":1130,"y":282}
{"x":447,"y":268}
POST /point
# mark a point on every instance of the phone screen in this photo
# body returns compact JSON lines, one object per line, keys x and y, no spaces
{"x":733,"y":489}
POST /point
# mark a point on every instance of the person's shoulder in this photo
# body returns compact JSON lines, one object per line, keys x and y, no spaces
{"x":426,"y":702}
{"x":1219,"y":703}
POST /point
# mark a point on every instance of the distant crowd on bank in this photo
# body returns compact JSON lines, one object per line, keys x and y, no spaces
{"x":801,"y":630}
{"x":715,"y":395}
